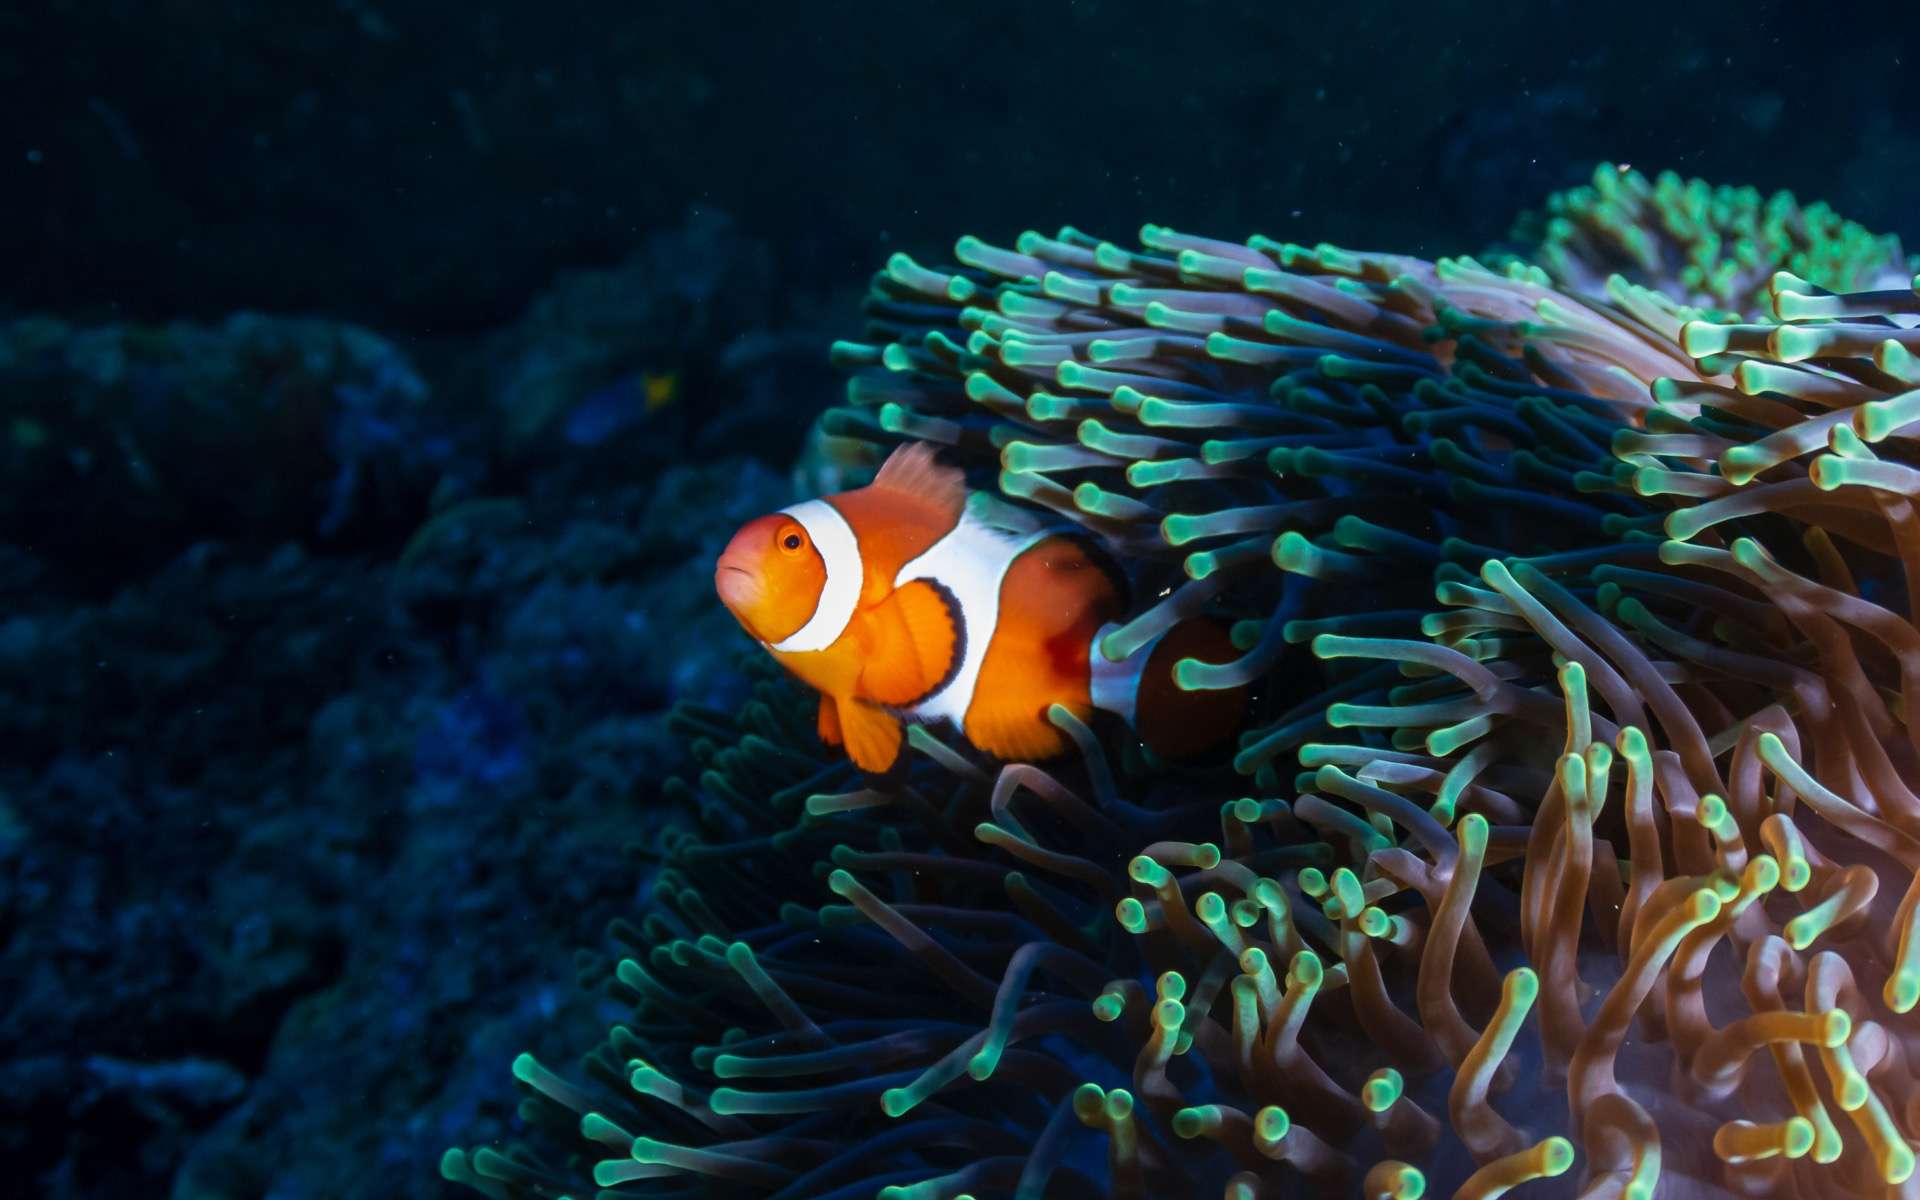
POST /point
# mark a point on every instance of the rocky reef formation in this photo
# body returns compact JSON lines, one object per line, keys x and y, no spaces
{"x":317,"y":674}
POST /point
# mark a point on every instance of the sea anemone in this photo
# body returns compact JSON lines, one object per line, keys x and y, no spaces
{"x":1713,"y":246}
{"x":1573,"y":845}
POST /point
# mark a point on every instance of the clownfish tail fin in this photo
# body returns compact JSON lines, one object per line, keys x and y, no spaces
{"x":1174,"y":722}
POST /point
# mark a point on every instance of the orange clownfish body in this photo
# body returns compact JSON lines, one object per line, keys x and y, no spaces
{"x":897,"y":605}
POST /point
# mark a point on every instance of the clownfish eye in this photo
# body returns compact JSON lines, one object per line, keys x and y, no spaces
{"x":792,"y":542}
{"x":792,"y":539}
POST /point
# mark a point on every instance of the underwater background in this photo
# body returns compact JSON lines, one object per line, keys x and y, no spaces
{"x":380,"y":378}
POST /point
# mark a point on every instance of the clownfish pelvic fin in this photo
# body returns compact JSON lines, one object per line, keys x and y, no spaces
{"x":873,"y":735}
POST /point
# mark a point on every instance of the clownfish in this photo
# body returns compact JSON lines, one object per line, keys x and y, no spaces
{"x":898,"y":605}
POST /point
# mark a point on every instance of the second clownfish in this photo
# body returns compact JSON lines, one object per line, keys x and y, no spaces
{"x":897,"y":605}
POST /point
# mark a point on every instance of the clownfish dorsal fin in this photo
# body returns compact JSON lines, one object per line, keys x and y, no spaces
{"x":912,"y":470}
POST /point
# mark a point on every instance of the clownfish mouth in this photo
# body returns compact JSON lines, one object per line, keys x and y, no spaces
{"x":736,"y":585}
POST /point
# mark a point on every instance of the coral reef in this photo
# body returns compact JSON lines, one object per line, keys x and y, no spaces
{"x":323,"y":732}
{"x":575,"y":369}
{"x":1575,"y":844}
{"x":133,"y":441}
{"x":314,"y":680}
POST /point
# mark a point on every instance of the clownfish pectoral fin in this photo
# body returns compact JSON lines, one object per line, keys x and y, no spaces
{"x":1014,"y":728}
{"x":873,"y":735}
{"x":830,"y":722}
{"x":911,"y":641}
{"x":912,"y":470}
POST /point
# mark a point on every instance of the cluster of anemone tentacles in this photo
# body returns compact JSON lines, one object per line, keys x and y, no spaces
{"x":1717,"y":246}
{"x":1572,"y":846}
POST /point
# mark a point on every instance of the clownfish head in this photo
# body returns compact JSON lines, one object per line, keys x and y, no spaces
{"x":771,"y":577}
